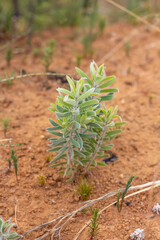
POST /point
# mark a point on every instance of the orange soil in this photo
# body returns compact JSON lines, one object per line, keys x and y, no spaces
{"x":26,"y":103}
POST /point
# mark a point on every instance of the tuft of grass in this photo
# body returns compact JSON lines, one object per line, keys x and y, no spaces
{"x":84,"y":189}
{"x":127,"y":47}
{"x":41,"y":180}
{"x":5,"y":125}
{"x":94,"y":223}
{"x":120,"y":196}
{"x":9,"y":55}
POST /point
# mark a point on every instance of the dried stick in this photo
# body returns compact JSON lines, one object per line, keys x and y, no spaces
{"x":35,"y":74}
{"x":141,"y":19}
{"x":6,"y":139}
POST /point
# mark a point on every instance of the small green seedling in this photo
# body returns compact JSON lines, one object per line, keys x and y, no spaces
{"x":5,"y":228}
{"x":15,"y":160}
{"x":41,"y":180}
{"x":94,"y":223}
{"x":48,"y":158}
{"x":9,"y":55}
{"x":48,"y":51}
{"x":127,"y":47}
{"x":150,"y":97}
{"x":121,"y":196}
{"x":84,"y":189}
{"x":9,"y":162}
{"x":78,"y":60}
{"x":101,"y":25}
{"x":5,"y":125}
{"x":87,"y":44}
{"x":36,"y":52}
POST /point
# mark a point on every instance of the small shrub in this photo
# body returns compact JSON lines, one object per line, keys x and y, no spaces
{"x":5,"y":228}
{"x":41,"y":180}
{"x":84,"y":124}
{"x":84,"y":189}
{"x":122,"y":195}
{"x":94,"y":223}
{"x":5,"y":125}
{"x":48,"y":51}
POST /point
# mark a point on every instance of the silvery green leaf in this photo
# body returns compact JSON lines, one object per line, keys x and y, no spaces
{"x":91,"y":113}
{"x":92,"y":69}
{"x":120,"y":124}
{"x":107,"y":147}
{"x":101,"y":164}
{"x":108,"y":83}
{"x":111,"y":90}
{"x":58,"y":164}
{"x":61,"y":109}
{"x":62,"y":115}
{"x":56,"y":133}
{"x":62,"y":90}
{"x":75,"y":143}
{"x":71,"y":83}
{"x":53,"y":122}
{"x":77,"y":125}
{"x":82,"y":74}
{"x":88,"y":103}
{"x":108,"y":97}
{"x":79,"y":139}
{"x":86,"y":94}
{"x":114,"y":132}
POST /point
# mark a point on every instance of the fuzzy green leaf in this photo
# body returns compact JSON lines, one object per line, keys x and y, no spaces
{"x":82,"y":74}
{"x":75,"y":143}
{"x":86,"y":94}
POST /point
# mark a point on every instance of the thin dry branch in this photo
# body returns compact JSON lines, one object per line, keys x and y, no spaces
{"x":140,"y":19}
{"x":35,"y":75}
{"x":6,"y":139}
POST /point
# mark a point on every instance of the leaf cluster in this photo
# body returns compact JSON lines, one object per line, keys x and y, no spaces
{"x":5,"y":228}
{"x":84,"y":124}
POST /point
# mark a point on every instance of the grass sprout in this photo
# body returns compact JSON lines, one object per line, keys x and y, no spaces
{"x":84,"y":189}
{"x":120,"y":196}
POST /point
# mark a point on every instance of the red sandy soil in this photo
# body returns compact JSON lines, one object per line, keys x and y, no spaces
{"x":26,"y":103}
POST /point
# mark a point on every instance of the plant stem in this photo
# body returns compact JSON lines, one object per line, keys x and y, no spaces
{"x":98,"y":147}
